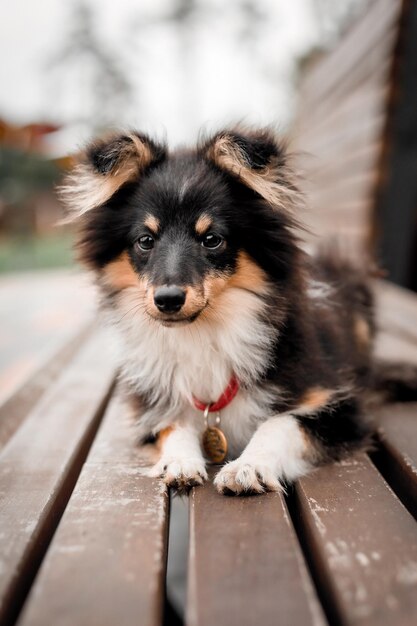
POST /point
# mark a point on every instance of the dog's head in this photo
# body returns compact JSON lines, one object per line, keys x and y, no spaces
{"x":180,"y":229}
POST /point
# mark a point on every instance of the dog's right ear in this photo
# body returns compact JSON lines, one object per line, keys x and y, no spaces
{"x":258,"y":159}
{"x":108,"y":164}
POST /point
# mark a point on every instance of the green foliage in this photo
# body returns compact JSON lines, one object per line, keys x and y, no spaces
{"x":22,"y":174}
{"x":31,"y":253}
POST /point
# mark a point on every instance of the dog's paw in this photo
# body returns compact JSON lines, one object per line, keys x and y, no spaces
{"x":180,"y":474}
{"x":242,"y":477}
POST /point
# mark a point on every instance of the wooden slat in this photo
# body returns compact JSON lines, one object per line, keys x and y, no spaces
{"x":354,"y":50}
{"x":333,"y":135}
{"x":245,"y":566}
{"x":369,"y":98}
{"x":106,"y":563}
{"x":362,"y":160}
{"x":40,"y":464}
{"x":353,"y":136}
{"x":352,"y":181}
{"x":38,"y":313}
{"x":329,"y":219}
{"x":374,"y":73}
{"x":391,"y":347}
{"x":355,"y":188}
{"x":397,"y":452}
{"x":362,"y":544}
{"x":342,"y":214}
{"x":346,"y":224}
{"x":396,"y":309}
{"x":396,"y":456}
{"x":16,"y":408}
{"x":350,"y":234}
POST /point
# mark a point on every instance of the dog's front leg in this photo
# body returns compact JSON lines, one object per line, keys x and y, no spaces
{"x":182,"y":464}
{"x":278,"y":452}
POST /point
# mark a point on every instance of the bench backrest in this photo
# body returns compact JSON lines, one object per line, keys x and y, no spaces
{"x":340,"y":132}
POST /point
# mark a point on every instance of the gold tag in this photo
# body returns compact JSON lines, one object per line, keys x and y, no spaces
{"x":215,"y":444}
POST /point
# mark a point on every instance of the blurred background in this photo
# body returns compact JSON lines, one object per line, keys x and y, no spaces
{"x":170,"y":67}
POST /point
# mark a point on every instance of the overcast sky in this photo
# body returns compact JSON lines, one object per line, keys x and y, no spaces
{"x":209,"y":76}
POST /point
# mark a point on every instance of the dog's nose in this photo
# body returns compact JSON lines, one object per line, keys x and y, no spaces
{"x":169,"y":299}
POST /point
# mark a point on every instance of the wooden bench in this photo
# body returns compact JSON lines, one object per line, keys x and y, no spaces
{"x":84,"y":535}
{"x":356,"y":138}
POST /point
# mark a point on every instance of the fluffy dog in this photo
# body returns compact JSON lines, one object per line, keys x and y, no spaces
{"x":201,"y":273}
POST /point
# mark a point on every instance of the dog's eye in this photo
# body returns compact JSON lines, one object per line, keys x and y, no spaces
{"x":146,"y":242}
{"x":212,"y":241}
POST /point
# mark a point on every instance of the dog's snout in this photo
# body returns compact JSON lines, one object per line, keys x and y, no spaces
{"x":169,"y":299}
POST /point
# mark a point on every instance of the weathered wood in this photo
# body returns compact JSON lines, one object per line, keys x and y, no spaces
{"x":245,"y":566}
{"x":396,"y":456}
{"x":40,"y":464}
{"x":396,"y":310}
{"x":350,"y":133}
{"x":106,"y":563}
{"x":354,"y":50}
{"x":374,"y":74}
{"x":395,"y":210}
{"x":356,"y":188}
{"x":370,"y":99}
{"x":361,"y":160}
{"x":16,"y":408}
{"x":376,"y":80}
{"x":362,"y":544}
{"x":392,"y":347}
{"x":357,"y":136}
{"x":343,"y":111}
{"x":39,"y":312}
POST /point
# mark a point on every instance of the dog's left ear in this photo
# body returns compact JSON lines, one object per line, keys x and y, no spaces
{"x":107,"y":165}
{"x":256,"y":158}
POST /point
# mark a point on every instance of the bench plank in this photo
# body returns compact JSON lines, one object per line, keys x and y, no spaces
{"x":362,"y":543}
{"x":354,"y":52}
{"x":38,"y":312}
{"x":16,"y":408}
{"x":245,"y":565}
{"x":40,"y":464}
{"x":391,"y":346}
{"x":360,"y":160}
{"x":106,"y":563}
{"x":396,"y":310}
{"x":397,"y":451}
{"x":375,"y":73}
{"x":368,"y":100}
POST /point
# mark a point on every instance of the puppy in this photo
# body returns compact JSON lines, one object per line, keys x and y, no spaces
{"x":235,"y":345}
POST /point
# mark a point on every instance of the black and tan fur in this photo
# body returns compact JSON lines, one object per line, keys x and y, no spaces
{"x":296,"y":331}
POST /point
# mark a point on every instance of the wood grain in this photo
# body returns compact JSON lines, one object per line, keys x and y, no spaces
{"x":39,"y":312}
{"x":40,"y":464}
{"x":354,"y":50}
{"x":106,"y":564}
{"x":392,"y":347}
{"x":245,"y":566}
{"x":344,"y":111}
{"x":362,"y":543}
{"x":16,"y":408}
{"x":396,"y":456}
{"x":396,"y":310}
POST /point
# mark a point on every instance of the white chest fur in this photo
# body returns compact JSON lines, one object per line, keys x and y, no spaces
{"x":170,"y":365}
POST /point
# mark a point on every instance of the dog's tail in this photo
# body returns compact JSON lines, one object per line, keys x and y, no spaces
{"x":394,"y":381}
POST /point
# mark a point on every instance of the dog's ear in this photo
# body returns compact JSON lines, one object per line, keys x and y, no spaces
{"x":258,"y":159}
{"x":107,"y":165}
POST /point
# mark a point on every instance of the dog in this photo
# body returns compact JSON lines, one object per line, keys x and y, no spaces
{"x":236,"y":345}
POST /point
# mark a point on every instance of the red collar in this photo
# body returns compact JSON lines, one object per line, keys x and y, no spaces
{"x":225,"y":399}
